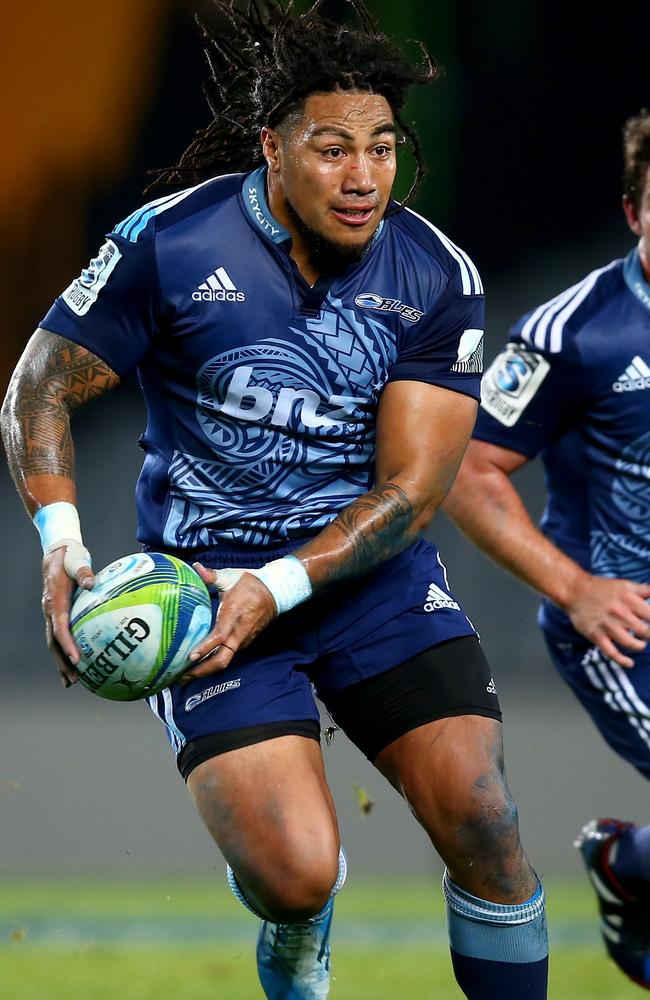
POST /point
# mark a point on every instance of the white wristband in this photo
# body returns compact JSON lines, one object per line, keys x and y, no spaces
{"x":288,"y":581}
{"x":57,"y":523}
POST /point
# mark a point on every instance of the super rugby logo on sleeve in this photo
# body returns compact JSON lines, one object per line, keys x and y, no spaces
{"x":510,"y":383}
{"x":83,"y":291}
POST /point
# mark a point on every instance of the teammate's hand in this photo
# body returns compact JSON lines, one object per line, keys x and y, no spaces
{"x":61,"y":570}
{"x":245,"y":609}
{"x":611,"y":614}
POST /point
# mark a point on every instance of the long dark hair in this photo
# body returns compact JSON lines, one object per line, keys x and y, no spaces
{"x":269,"y":60}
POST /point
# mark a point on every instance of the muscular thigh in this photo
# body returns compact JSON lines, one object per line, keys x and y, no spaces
{"x":451,"y":773}
{"x":266,"y":800}
{"x":447,"y":769}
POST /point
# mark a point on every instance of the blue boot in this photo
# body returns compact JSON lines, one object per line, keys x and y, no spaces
{"x":293,"y":960}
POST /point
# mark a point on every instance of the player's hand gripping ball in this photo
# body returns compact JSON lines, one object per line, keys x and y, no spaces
{"x":136,"y":628}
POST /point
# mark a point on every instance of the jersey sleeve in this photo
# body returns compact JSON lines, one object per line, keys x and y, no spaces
{"x":112,"y":308}
{"x":529,"y":397}
{"x":445,"y":347}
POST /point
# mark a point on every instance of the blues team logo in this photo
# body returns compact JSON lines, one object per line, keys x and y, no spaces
{"x":510,"y":383}
{"x":370,"y":300}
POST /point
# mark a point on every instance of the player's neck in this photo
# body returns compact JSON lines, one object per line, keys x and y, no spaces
{"x":644,"y":258}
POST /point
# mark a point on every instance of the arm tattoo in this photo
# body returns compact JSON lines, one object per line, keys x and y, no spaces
{"x":50,"y":383}
{"x":375,"y":527}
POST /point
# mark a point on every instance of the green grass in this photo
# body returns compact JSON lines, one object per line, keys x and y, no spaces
{"x":192,"y":941}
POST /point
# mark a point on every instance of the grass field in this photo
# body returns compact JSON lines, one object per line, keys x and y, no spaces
{"x":192,"y":941}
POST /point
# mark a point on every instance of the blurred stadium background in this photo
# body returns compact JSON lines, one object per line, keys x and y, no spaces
{"x":522,"y":137}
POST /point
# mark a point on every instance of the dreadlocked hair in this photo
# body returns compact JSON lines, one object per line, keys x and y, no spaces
{"x":270,"y":61}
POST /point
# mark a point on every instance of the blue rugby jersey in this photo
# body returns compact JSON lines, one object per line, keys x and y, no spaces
{"x":573,"y":385}
{"x":261,"y":391}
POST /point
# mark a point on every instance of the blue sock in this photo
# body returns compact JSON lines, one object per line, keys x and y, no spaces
{"x":498,"y":952}
{"x":629,"y":855}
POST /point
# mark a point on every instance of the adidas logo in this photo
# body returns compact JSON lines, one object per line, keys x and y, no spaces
{"x":218,"y":287}
{"x":437,"y":599}
{"x":636,"y":376}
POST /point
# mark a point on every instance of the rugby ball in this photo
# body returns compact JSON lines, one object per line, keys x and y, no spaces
{"x":136,"y":628}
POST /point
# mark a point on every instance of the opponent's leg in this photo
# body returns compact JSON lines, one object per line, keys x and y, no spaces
{"x":270,"y":810}
{"x":451,"y":774}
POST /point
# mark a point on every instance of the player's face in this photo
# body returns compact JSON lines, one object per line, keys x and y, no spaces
{"x":639,"y":223}
{"x":333,"y":170}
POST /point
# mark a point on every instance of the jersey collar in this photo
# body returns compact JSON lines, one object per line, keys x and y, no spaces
{"x":257,"y":209}
{"x":259,"y":213}
{"x":635,"y":278}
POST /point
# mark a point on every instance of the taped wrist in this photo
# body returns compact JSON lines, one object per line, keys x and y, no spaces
{"x":287,"y":580}
{"x":58,"y":527}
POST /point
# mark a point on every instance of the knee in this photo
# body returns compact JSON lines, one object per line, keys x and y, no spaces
{"x":489,"y":825}
{"x":481,"y":825}
{"x":293,"y":888}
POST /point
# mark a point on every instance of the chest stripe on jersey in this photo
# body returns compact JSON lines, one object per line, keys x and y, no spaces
{"x":472,"y":284}
{"x":556,"y":312}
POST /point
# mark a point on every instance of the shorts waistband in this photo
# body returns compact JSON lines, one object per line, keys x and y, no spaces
{"x":219,"y":558}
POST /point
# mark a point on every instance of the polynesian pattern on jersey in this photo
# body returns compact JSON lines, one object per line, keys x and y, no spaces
{"x":627,"y":555}
{"x":293,"y":425}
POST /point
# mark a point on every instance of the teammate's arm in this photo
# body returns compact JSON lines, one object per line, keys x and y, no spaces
{"x":422,"y":432}
{"x":485,"y":505}
{"x":53,"y":378}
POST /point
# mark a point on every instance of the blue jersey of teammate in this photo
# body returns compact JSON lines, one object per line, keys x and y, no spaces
{"x":573,"y":385}
{"x":262,"y":391}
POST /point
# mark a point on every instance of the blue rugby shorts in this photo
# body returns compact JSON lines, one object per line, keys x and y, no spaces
{"x":617,"y":699}
{"x":361,"y":629}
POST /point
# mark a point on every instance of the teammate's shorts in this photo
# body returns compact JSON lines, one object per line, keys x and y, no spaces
{"x":329,"y":645}
{"x":617,"y":699}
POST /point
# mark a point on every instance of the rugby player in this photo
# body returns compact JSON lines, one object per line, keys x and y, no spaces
{"x":310,"y":354}
{"x":573,"y":386}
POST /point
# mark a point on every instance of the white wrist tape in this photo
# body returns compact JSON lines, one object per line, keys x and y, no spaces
{"x":58,"y":526}
{"x":288,"y":581}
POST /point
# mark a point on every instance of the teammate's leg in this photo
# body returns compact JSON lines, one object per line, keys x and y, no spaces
{"x":616,"y":854}
{"x":269,"y":809}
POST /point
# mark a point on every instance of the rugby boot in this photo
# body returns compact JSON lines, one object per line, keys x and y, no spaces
{"x":624,"y":910}
{"x":293,"y":960}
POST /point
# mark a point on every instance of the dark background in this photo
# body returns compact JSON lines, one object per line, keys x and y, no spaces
{"x":522,"y":138}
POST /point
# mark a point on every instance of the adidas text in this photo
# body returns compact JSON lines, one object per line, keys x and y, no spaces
{"x":218,"y":295}
{"x":438,"y":599}
{"x":632,"y":385}
{"x":218,"y":287}
{"x":636,"y":376}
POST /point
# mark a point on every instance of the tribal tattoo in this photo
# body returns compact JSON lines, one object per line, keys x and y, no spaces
{"x":53,"y":379}
{"x":375,"y":527}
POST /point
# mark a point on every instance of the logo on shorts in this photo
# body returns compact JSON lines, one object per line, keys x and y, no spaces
{"x":438,"y":599}
{"x":210,"y":692}
{"x":491,"y":688}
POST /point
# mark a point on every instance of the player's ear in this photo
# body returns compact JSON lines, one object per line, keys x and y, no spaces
{"x":271,"y":144}
{"x":631,"y":215}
